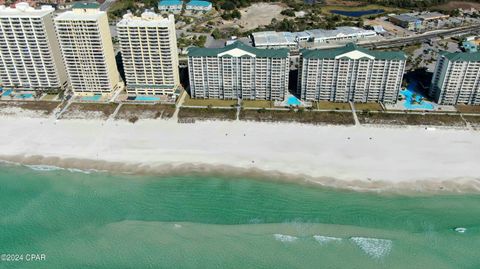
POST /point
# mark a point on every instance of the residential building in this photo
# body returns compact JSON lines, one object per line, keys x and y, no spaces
{"x":238,"y":71}
{"x":350,"y":73}
{"x":149,"y":53}
{"x":87,"y":49}
{"x":174,"y":6}
{"x":456,"y":78}
{"x":29,"y":52}
{"x":199,"y":5}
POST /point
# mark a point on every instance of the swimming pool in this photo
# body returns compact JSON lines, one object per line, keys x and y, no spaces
{"x":147,"y":98}
{"x":293,"y":101}
{"x":413,"y":99}
{"x":357,"y":13}
{"x":91,"y":98}
{"x":7,"y":93}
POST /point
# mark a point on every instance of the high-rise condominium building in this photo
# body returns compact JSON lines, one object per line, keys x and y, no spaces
{"x":87,"y":50}
{"x":456,"y":78}
{"x":149,"y":53}
{"x":238,"y":71}
{"x":29,"y":50}
{"x":350,"y":73}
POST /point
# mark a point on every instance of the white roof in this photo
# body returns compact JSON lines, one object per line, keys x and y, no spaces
{"x":339,"y":32}
{"x":80,"y":16}
{"x":147,"y":19}
{"x":271,"y":38}
{"x":25,"y":10}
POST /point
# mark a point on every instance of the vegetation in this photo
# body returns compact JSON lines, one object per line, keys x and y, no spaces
{"x":301,"y":116}
{"x":187,"y":113}
{"x":157,"y":111}
{"x":209,"y":102}
{"x":196,"y":40}
{"x":468,"y":109}
{"x":326,"y":105}
{"x":410,"y":119}
{"x":288,"y":12}
{"x":45,"y":107}
{"x":230,"y":15}
{"x":257,"y":104}
{"x":89,"y":110}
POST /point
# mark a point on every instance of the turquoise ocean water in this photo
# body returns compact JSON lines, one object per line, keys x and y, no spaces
{"x":101,"y":220}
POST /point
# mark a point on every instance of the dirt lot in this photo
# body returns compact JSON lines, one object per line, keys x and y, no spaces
{"x":200,"y":114}
{"x":337,"y":118}
{"x":258,"y":14}
{"x":132,"y":112}
{"x":89,"y":111}
{"x":410,"y":119}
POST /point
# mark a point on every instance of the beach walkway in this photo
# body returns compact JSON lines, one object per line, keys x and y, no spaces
{"x":357,"y":122}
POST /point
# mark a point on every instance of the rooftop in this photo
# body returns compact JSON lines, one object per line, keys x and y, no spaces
{"x":147,"y":19}
{"x":405,"y":17}
{"x":86,"y":6}
{"x":199,"y":3}
{"x":363,"y":53}
{"x":461,"y":56}
{"x":271,"y":38}
{"x":338,"y":32}
{"x":170,"y":3}
{"x":24,"y":9}
{"x":238,"y":49}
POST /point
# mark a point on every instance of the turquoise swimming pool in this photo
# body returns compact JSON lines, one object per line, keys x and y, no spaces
{"x":24,"y":95}
{"x":147,"y":98}
{"x":293,"y":101}
{"x":91,"y":98}
{"x":7,"y":93}
{"x":413,"y":99}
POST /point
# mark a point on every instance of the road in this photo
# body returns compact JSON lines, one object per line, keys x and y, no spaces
{"x":106,"y":5}
{"x":423,"y":37}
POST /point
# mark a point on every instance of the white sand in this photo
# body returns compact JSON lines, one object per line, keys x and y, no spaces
{"x":411,"y":156}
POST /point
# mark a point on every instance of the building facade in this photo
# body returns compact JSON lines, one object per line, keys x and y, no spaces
{"x":238,"y":71}
{"x":149,"y":53}
{"x":456,"y":78}
{"x":199,"y":5}
{"x":350,"y":73}
{"x":174,"y":6}
{"x":29,"y":52}
{"x":87,"y":50}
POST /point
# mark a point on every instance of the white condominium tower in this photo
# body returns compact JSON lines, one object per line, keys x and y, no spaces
{"x":149,"y":53}
{"x":238,"y":71}
{"x":456,"y":78}
{"x":350,"y":73}
{"x":87,"y":50}
{"x":29,"y":53}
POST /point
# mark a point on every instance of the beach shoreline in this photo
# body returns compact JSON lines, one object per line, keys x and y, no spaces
{"x":355,"y":158}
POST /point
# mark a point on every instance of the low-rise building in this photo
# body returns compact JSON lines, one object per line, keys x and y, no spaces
{"x":238,"y":71}
{"x":272,"y":39}
{"x":350,"y":73}
{"x":340,"y":34}
{"x":199,"y":5}
{"x":173,"y":6}
{"x":406,"y":21}
{"x":456,"y":78}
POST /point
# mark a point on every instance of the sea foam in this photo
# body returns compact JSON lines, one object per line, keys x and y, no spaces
{"x":373,"y":247}
{"x":285,"y":238}
{"x":44,"y":167}
{"x":326,"y":239}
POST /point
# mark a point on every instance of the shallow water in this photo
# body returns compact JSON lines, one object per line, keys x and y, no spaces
{"x":99,"y":220}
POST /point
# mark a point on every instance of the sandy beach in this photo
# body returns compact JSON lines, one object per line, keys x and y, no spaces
{"x":353,"y":157}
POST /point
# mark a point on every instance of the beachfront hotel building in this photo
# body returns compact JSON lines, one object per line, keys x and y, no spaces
{"x":350,"y":73}
{"x":149,"y":53}
{"x":456,"y":78}
{"x":87,"y":50}
{"x":238,"y":71}
{"x":30,"y":56}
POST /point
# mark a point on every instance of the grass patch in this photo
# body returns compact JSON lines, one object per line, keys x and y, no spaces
{"x":132,"y":111}
{"x":49,"y":97}
{"x":410,"y":119}
{"x":257,"y":103}
{"x":200,"y":114}
{"x":208,"y":102}
{"x":327,"y":105}
{"x":311,"y":117}
{"x":89,"y":111}
{"x":468,"y":109}
{"x":368,"y":106}
{"x":44,"y":107}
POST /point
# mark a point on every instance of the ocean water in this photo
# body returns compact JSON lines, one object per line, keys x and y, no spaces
{"x":101,"y":220}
